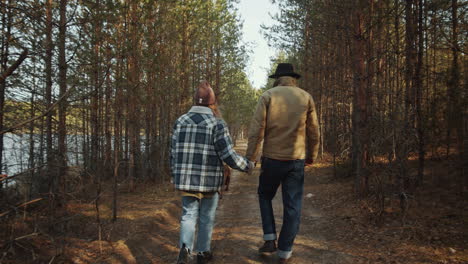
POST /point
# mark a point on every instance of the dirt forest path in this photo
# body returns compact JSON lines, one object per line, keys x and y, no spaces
{"x":334,"y":228}
{"x":151,"y":228}
{"x":238,"y":233}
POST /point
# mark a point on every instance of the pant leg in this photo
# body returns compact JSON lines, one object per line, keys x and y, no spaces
{"x":292,"y":190}
{"x":269,"y":181}
{"x":206,"y":222}
{"x":190,"y":207}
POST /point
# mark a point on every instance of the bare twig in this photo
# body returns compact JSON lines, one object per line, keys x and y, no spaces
{"x":21,"y":205}
{"x":26,"y":236}
{"x":21,"y":173}
{"x":15,"y":65}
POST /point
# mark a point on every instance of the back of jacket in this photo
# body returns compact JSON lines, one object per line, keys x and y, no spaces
{"x":199,"y":146}
{"x":286,"y":120}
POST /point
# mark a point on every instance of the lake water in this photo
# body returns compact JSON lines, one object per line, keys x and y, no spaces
{"x":16,"y":151}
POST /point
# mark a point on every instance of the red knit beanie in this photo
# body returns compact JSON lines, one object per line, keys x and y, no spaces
{"x":204,"y":94}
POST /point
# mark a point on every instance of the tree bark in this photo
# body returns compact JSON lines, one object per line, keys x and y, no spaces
{"x":96,"y":93}
{"x":419,"y":115}
{"x":133,"y":100}
{"x":359,"y":103}
{"x":62,"y":107}
{"x":5,"y":49}
{"x":455,"y":107}
{"x":48,"y":88}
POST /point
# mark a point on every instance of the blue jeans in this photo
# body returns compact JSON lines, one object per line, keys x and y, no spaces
{"x":290,"y":174}
{"x":202,"y":211}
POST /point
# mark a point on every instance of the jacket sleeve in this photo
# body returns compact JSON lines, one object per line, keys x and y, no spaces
{"x":224,"y":147}
{"x":257,"y":128}
{"x":313,"y":133}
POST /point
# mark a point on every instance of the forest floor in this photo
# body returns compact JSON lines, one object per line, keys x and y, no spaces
{"x":336,"y":227}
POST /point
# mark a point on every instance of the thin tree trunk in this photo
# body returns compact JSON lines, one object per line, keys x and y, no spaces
{"x":456,"y":111}
{"x":117,"y":108}
{"x":359,"y":103}
{"x":62,"y":107}
{"x":418,"y":78}
{"x":32,"y":114}
{"x":5,"y":49}
{"x":48,"y":91}
{"x":108,"y":119}
{"x":396,"y":99}
{"x":408,"y":124}
{"x":305,"y":58}
{"x":95,"y":76}
{"x":133,"y":104}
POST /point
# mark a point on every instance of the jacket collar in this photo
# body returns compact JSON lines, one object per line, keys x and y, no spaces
{"x":286,"y":81}
{"x":201,"y":110}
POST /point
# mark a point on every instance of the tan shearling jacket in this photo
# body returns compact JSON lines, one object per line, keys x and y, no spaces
{"x":286,"y":120}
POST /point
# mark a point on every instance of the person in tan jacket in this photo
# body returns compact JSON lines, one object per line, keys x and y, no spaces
{"x":286,"y":121}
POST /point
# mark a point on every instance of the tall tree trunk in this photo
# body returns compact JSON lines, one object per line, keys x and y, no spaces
{"x":185,"y":92}
{"x":403,"y":144}
{"x":31,"y":160}
{"x":95,"y":76}
{"x":419,"y":115}
{"x":5,"y":50}
{"x":32,"y":113}
{"x":133,"y":96}
{"x":108,"y":157}
{"x":62,"y":107}
{"x":370,"y":75}
{"x":48,"y":91}
{"x":117,"y":138}
{"x":455,"y":103}
{"x":395,"y":109}
{"x":359,"y":102}
{"x":305,"y":58}
{"x":117,"y":110}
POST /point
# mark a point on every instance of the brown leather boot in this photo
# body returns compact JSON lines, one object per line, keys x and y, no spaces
{"x":204,"y":257}
{"x":184,"y":255}
{"x":268,"y":247}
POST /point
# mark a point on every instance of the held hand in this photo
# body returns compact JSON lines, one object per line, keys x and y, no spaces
{"x":308,"y":163}
{"x":227,"y":178}
{"x":252,"y":165}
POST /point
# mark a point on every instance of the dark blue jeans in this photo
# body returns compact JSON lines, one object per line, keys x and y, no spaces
{"x":290,"y":175}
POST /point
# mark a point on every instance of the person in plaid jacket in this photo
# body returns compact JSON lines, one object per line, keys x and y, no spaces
{"x":200,"y":145}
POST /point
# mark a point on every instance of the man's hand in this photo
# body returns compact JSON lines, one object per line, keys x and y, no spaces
{"x":308,"y":163}
{"x":227,"y":178}
{"x":252,"y":165}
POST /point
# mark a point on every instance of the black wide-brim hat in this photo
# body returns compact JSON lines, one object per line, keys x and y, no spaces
{"x":285,"y":69}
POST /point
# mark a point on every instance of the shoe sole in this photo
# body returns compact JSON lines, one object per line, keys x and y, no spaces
{"x":267,"y":251}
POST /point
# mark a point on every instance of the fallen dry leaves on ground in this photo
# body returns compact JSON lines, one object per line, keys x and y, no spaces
{"x":336,"y":226}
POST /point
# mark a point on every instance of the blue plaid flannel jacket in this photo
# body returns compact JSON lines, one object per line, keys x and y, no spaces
{"x":200,"y":143}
